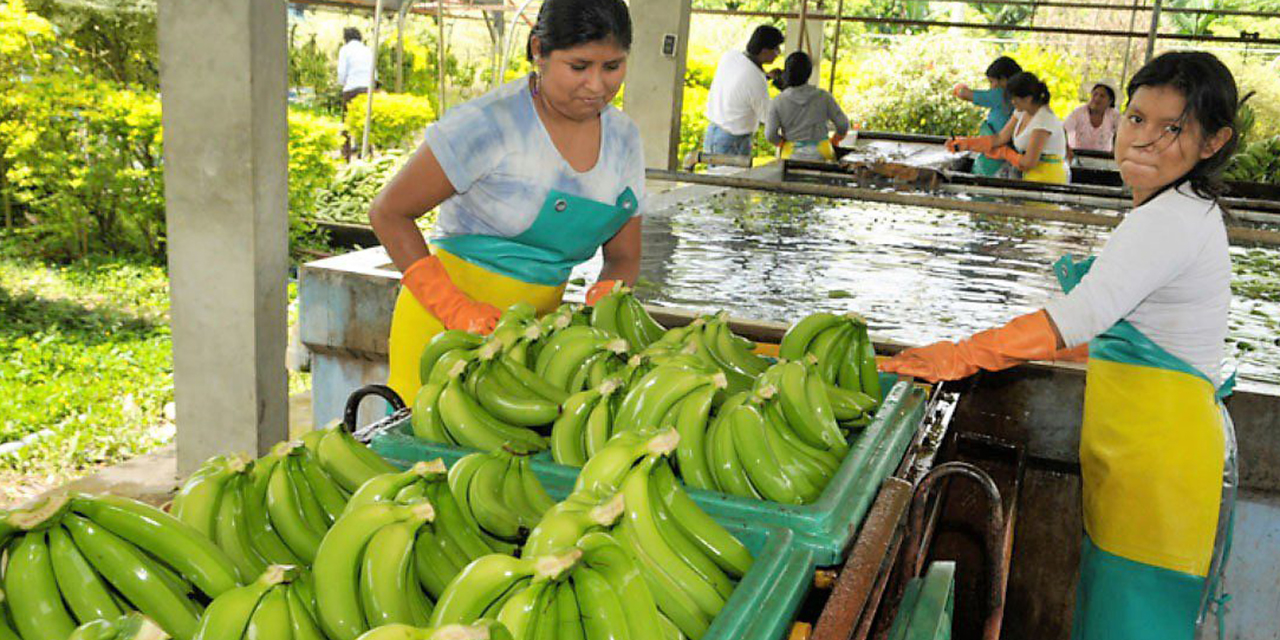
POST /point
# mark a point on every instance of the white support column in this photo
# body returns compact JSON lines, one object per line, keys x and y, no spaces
{"x":223,"y":69}
{"x":814,"y":42}
{"x":655,"y":79}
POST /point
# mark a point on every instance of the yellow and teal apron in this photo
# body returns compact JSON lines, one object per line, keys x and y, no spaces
{"x":530,"y":267}
{"x":1157,"y":459}
{"x":809,"y":150}
{"x":985,"y":166}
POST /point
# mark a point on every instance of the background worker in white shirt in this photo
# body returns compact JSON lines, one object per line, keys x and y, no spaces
{"x":355,"y":62}
{"x":739,"y":97}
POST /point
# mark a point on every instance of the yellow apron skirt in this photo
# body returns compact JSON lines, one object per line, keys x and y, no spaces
{"x":1051,"y":169}
{"x":810,"y":150}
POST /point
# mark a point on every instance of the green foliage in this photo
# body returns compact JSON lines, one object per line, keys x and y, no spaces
{"x":313,"y":147}
{"x":84,"y":354}
{"x":398,"y":119}
{"x":1056,"y":69}
{"x":907,"y":87}
{"x":312,"y":70}
{"x":112,"y":39}
{"x":1196,"y":24}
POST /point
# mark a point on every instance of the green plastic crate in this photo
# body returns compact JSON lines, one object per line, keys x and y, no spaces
{"x":927,"y":606}
{"x":826,"y":525}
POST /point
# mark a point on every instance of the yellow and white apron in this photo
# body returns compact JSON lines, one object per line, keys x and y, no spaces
{"x":531,"y":267}
{"x":1157,"y":457}
{"x":1050,"y":169}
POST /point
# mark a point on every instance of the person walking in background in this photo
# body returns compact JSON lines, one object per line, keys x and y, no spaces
{"x":355,"y":62}
{"x":739,"y":96}
{"x":1093,"y":125}
{"x":999,"y":110}
{"x":797,"y":119}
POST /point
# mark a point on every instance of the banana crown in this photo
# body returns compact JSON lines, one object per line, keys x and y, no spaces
{"x":41,"y":514}
{"x":551,"y":567}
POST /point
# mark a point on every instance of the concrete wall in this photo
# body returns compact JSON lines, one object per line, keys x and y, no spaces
{"x":655,"y":81}
{"x":223,"y":69}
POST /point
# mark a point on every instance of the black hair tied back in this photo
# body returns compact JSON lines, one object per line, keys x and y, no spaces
{"x":1027,"y":85}
{"x":1212,"y":100}
{"x":564,"y":24}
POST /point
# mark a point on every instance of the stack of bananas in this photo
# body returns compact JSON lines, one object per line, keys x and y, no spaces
{"x":276,"y":510}
{"x":500,"y":493}
{"x":619,"y":313}
{"x":130,"y":626}
{"x":627,"y":555}
{"x":708,"y":341}
{"x":507,"y":389}
{"x":279,"y":604}
{"x":76,"y":559}
{"x":843,"y":351}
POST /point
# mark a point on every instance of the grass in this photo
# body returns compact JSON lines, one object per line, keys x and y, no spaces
{"x":86,"y":363}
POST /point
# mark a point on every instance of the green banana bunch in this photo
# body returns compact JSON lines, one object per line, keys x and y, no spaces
{"x":275,"y":605}
{"x":196,"y":502}
{"x":347,"y":461}
{"x":464,"y":420}
{"x":604,"y":472}
{"x":845,"y":360}
{"x":442,"y":343}
{"x":486,"y":585}
{"x":366,"y":572}
{"x":479,"y":630}
{"x":649,"y":400}
{"x":389,"y":486}
{"x":566,"y":522}
{"x":500,"y":493}
{"x":585,"y":423}
{"x":622,"y":315}
{"x":129,"y":626}
{"x":578,"y":357}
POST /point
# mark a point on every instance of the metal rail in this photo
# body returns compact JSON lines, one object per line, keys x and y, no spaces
{"x":992,"y":27}
{"x":1238,"y":235}
{"x":1116,"y":7}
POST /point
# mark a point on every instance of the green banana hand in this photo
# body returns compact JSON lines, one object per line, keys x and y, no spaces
{"x":32,"y":588}
{"x":725,"y":550}
{"x":88,"y":597}
{"x":270,"y":621}
{"x":384,"y":487}
{"x":196,"y":503}
{"x":442,"y":343}
{"x":604,"y":472}
{"x":387,"y":575}
{"x":472,"y":426}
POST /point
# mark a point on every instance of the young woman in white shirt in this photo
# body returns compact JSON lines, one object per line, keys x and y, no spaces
{"x":1033,"y":141}
{"x":1157,"y":451}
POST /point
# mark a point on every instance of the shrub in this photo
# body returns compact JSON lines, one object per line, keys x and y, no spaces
{"x":313,"y":146}
{"x":398,"y":119}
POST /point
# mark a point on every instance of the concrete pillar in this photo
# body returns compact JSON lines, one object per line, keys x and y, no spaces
{"x":223,"y":66}
{"x":655,"y":76}
{"x":814,"y":44}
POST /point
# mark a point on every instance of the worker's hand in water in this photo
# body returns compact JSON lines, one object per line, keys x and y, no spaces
{"x":600,"y":290}
{"x":981,"y":144}
{"x":1006,"y":153}
{"x":1028,"y":337}
{"x":429,"y":283}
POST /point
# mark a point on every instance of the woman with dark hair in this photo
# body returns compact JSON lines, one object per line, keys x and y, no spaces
{"x":797,"y":119}
{"x":1157,"y":450}
{"x":531,"y":179}
{"x":1033,"y":141}
{"x":999,"y":109}
{"x":1093,"y":124}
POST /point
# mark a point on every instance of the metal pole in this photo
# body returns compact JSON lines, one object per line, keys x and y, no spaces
{"x":1152,"y":34}
{"x":804,"y":15}
{"x":404,"y":9}
{"x":373,"y":76}
{"x":440,"y":60}
{"x":1128,"y":44}
{"x":835,"y":49}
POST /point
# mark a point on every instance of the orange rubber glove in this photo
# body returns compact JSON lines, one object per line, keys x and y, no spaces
{"x":836,"y":138}
{"x":599,"y":290}
{"x":959,"y":86}
{"x":1028,"y":337}
{"x":427,"y":280}
{"x":1006,"y":153}
{"x":981,"y":144}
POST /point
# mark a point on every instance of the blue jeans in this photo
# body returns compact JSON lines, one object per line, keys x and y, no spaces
{"x":719,"y":141}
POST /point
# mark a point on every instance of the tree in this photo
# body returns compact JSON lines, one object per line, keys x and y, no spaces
{"x":26,"y":46}
{"x":112,"y":39}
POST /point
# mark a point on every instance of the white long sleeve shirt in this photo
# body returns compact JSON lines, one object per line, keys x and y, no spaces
{"x":1166,"y":269}
{"x":355,"y":61}
{"x":739,"y":96}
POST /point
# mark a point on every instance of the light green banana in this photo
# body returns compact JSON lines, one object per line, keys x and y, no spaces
{"x":488,"y":504}
{"x":135,"y":576}
{"x":546,"y":622}
{"x":451,"y":522}
{"x":100,"y":629}
{"x":718,"y":544}
{"x":301,"y":621}
{"x":684,"y":546}
{"x":568,"y":521}
{"x":88,"y":597}
{"x":668,"y":594}
{"x":567,"y":353}
{"x":425,"y":420}
{"x":604,"y":472}
{"x":641,"y":522}
{"x":759,"y":461}
{"x":442,"y":343}
{"x":655,"y":394}
{"x":603,"y":554}
{"x":869,"y":375}
{"x":829,"y":461}
{"x":347,"y":461}
{"x":532,"y":488}
{"x":796,"y":341}
{"x":603,"y":615}
{"x":270,"y":621}
{"x":512,"y":404}
{"x":434,"y":569}
{"x":828,"y":348}
{"x":471,"y":425}
{"x":312,"y":509}
{"x":337,"y":565}
{"x":478,"y":586}
{"x":568,"y":434}
{"x":513,"y":495}
{"x":32,"y":589}
{"x":284,"y":506}
{"x":517,"y":614}
{"x":599,"y":426}
{"x":722,"y":454}
{"x":387,"y":575}
{"x":531,"y":381}
{"x":174,"y":542}
{"x":263,"y":536}
{"x":568,"y":613}
{"x":736,"y":351}
{"x":605,"y":313}
{"x":196,"y":503}
{"x":231,"y":531}
{"x":806,"y":474}
{"x":813,"y":423}
{"x":385,"y":487}
{"x":691,"y":422}
{"x":332,"y":498}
